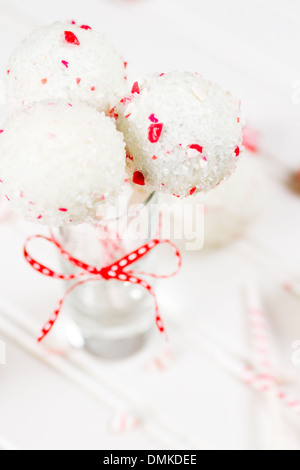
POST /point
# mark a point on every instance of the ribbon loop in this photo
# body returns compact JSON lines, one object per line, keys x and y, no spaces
{"x":117,"y":271}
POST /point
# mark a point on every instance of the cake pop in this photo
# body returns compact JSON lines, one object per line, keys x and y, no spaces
{"x":183,"y":134}
{"x":60,"y":163}
{"x":65,"y":61}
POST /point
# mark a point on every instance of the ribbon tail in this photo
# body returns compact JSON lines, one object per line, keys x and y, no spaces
{"x":158,"y":319}
{"x":49,"y":325}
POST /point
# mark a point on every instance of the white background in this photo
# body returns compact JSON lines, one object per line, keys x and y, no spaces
{"x":250,"y":47}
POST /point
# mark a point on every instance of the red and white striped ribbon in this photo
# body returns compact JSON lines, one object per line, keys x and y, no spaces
{"x":117,"y":271}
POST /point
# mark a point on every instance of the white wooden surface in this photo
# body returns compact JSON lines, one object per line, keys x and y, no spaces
{"x":71,"y":401}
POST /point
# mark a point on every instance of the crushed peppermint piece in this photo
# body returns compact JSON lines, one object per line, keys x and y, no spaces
{"x":138,"y":178}
{"x":63,"y":209}
{"x":44,"y":81}
{"x":152,"y":118}
{"x":1,"y":131}
{"x":65,"y":63}
{"x":85,"y":26}
{"x":125,"y":65}
{"x":237,"y":151}
{"x":154,"y":157}
{"x":113,"y":114}
{"x":129,"y":157}
{"x":154,"y":132}
{"x":125,"y":100}
{"x":78,"y":80}
{"x":70,"y":38}
{"x":196,"y":147}
{"x":135,"y":88}
{"x":93,"y":88}
{"x":192,"y":190}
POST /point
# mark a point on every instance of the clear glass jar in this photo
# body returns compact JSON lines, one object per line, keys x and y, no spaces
{"x":111,"y":319}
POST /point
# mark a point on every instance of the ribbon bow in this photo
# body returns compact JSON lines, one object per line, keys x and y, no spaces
{"x":118,"y":271}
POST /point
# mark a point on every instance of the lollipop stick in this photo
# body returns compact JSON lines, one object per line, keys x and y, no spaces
{"x":263,"y":360}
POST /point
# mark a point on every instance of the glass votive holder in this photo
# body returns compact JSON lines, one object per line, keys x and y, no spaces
{"x":110,"y":318}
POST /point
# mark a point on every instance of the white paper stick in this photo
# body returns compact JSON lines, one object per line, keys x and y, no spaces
{"x":264,"y":361}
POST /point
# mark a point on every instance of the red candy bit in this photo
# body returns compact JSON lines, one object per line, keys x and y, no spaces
{"x":44,"y":81}
{"x":152,"y":118}
{"x":78,"y":80}
{"x":127,"y":115}
{"x":138,"y":178}
{"x":129,"y":157}
{"x":196,"y":147}
{"x":8,"y":72}
{"x":73,"y":22}
{"x":192,"y":191}
{"x":113,"y":114}
{"x":162,"y":74}
{"x":65,"y":63}
{"x":39,"y":217}
{"x":85,"y":26}
{"x":154,"y":132}
{"x":125,"y":65}
{"x":205,"y":159}
{"x":238,"y":119}
{"x":70,"y":38}
{"x":1,"y":131}
{"x":7,"y":197}
{"x":237,"y":151}
{"x":63,"y":209}
{"x":125,"y":100}
{"x":154,"y":157}
{"x":93,"y":88}
{"x":135,"y":88}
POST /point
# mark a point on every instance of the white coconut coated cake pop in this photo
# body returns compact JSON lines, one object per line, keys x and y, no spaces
{"x":60,"y":163}
{"x":65,"y":61}
{"x":183,"y":134}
